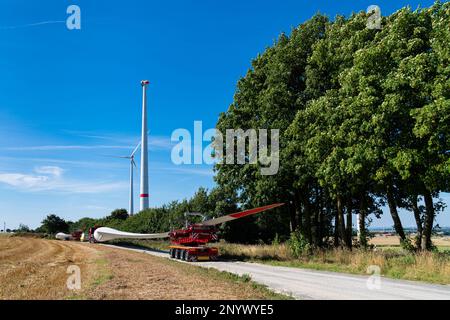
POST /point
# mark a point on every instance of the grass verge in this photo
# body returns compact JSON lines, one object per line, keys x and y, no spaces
{"x":244,"y":281}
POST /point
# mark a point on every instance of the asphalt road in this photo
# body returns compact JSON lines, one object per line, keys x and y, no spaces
{"x":311,"y":284}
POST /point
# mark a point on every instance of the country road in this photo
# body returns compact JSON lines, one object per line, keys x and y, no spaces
{"x":310,"y":284}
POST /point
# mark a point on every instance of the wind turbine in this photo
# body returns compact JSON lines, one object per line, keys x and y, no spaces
{"x":144,"y":152}
{"x":132,"y":164}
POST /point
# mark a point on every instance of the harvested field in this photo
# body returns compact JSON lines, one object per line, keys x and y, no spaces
{"x":33,"y":268}
{"x":395,"y":241}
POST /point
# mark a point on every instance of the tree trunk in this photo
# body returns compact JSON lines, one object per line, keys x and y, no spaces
{"x":336,"y":229}
{"x":418,"y":222}
{"x":293,"y":218}
{"x":307,"y":220}
{"x":319,"y":229}
{"x":395,"y":217}
{"x":429,"y":220}
{"x":362,"y":235}
{"x":349,"y":231}
{"x":341,"y":222}
{"x":299,"y":212}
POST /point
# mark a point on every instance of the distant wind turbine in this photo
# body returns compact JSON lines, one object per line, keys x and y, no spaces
{"x":132,"y":164}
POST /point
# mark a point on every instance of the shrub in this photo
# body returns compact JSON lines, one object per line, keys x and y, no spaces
{"x":298,"y":245}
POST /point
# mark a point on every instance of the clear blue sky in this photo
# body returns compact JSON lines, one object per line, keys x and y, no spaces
{"x":69,"y":98}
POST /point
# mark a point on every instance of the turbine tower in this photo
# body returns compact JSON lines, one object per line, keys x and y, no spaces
{"x":132,"y":164}
{"x":144,"y":151}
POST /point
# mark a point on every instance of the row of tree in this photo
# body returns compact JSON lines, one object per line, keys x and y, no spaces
{"x":364,"y":118}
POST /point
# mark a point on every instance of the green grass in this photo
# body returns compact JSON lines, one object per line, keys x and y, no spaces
{"x":433,"y":267}
{"x":104,"y":273}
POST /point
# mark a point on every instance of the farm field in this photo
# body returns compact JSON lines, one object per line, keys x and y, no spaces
{"x":32,"y":268}
{"x":440,"y":242}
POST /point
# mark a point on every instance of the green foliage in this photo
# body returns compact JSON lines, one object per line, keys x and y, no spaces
{"x":83,"y":224}
{"x":23,"y":228}
{"x":53,"y":224}
{"x":118,"y":214}
{"x":298,"y":245}
{"x":407,"y":245}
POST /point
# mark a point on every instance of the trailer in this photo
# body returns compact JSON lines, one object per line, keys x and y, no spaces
{"x":193,"y":254}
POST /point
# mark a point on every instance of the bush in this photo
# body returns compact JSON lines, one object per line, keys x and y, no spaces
{"x":298,"y":245}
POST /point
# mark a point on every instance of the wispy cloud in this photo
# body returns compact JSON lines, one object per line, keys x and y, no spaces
{"x":35,"y":24}
{"x":50,"y":178}
{"x":50,"y":170}
{"x":64,"y":147}
{"x":23,"y":180}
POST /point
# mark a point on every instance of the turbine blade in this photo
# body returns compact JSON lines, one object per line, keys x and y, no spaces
{"x":238,"y":215}
{"x":136,"y":149}
{"x":111,"y":156}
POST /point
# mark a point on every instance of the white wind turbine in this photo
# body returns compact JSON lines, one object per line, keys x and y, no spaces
{"x":132,"y":164}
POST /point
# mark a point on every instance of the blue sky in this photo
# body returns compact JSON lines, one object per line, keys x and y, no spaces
{"x":71,"y":98}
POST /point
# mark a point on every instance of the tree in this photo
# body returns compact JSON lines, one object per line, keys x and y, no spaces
{"x":53,"y":224}
{"x":118,"y":214}
{"x":23,"y":228}
{"x":268,"y":97}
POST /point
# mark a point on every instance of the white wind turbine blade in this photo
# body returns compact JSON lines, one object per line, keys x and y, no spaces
{"x":135,"y":149}
{"x":105,"y":234}
{"x":112,"y":156}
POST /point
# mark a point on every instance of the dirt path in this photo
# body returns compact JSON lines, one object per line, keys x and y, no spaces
{"x":37,"y":269}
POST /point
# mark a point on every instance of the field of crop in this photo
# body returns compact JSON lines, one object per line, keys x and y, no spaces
{"x":392,"y":241}
{"x":33,"y":268}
